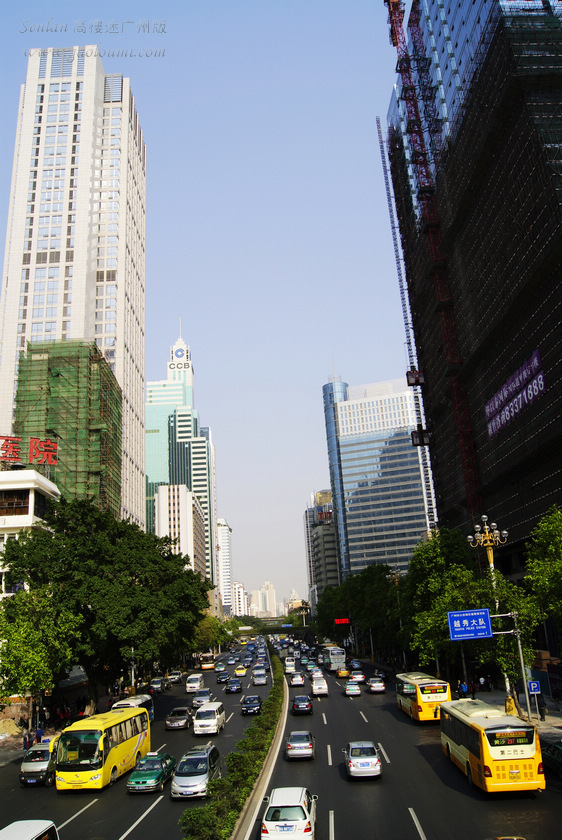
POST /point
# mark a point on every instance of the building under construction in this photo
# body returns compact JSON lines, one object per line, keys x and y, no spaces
{"x":475,"y":148}
{"x":67,"y":393}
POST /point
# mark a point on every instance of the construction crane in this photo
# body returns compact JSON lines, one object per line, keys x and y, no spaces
{"x":412,"y":96}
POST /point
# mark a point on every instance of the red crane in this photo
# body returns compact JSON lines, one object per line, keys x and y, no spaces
{"x":432,"y":228}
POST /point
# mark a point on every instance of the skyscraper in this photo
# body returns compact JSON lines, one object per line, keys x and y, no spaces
{"x":376,"y":475}
{"x":320,"y":541}
{"x":178,"y":450}
{"x":75,"y":242}
{"x":478,"y":194}
{"x":224,"y":564}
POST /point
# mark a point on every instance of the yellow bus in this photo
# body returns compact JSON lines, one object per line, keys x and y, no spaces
{"x":94,"y":751}
{"x":420,"y":695}
{"x":496,"y":751}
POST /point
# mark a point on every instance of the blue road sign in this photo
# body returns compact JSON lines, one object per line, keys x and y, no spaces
{"x":534,"y":687}
{"x":469,"y":624}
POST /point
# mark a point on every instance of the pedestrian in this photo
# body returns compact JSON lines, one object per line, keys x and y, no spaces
{"x":472,"y":689}
{"x":38,"y":735}
{"x":463,"y":690}
{"x":482,"y":683}
{"x":25,"y":740}
{"x":541,"y":706}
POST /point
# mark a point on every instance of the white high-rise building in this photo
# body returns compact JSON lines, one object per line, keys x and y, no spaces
{"x":240,"y":603}
{"x":224,"y":564}
{"x":74,"y":262}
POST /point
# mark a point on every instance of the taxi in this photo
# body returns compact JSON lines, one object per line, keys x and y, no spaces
{"x":240,"y":670}
{"x":151,"y":773}
{"x":343,"y":671}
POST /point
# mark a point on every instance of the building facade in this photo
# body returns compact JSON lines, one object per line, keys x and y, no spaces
{"x":240,"y":601}
{"x":74,"y":261}
{"x":24,"y":495}
{"x":179,"y":515}
{"x":178,"y":450}
{"x":68,"y":394}
{"x":224,"y":564}
{"x":320,"y":541}
{"x":479,"y":203}
{"x":376,"y":474}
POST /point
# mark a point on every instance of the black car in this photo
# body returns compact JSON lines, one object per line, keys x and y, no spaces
{"x":302,"y":705}
{"x":223,"y":676}
{"x":251,"y":705}
{"x":233,"y":686}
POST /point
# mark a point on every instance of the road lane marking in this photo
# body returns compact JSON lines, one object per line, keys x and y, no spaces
{"x":363,"y":716}
{"x":324,"y":717}
{"x":417,"y":823}
{"x":141,"y":818}
{"x":331,"y":825}
{"x":85,"y":808}
{"x":329,"y":756}
{"x":231,"y":715}
{"x":386,"y":758}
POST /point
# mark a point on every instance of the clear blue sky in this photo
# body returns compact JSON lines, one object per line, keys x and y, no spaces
{"x":267,"y":227}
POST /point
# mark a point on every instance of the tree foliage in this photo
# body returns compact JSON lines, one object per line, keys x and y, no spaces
{"x":128,"y":589}
{"x":544,"y":564}
{"x":37,"y":642}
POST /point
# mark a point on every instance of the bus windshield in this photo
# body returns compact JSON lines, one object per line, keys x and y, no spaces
{"x":79,"y":750}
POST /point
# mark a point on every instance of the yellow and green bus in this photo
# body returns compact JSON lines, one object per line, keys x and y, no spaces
{"x":94,"y":751}
{"x":497,"y":752}
{"x":420,"y":696}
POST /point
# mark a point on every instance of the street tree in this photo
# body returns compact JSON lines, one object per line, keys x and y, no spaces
{"x":134,"y":596}
{"x":544,"y":564}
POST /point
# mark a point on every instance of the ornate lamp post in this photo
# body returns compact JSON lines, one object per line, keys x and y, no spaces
{"x":487,"y":537}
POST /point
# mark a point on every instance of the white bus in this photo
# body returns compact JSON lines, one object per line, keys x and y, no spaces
{"x":334,"y":657}
{"x":144,"y":701}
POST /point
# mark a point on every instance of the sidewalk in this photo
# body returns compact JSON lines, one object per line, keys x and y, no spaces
{"x":549,"y":729}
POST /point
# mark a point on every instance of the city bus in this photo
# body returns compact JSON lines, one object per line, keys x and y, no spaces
{"x":94,"y":751}
{"x":334,"y":657}
{"x":207,"y":661}
{"x":496,"y":751}
{"x":144,"y":701}
{"x":420,"y":695}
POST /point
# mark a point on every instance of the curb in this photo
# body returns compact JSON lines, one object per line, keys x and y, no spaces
{"x":247,"y":818}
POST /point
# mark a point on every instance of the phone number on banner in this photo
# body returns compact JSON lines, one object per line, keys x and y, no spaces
{"x":531,"y":392}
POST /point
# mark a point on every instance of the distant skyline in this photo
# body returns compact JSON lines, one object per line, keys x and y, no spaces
{"x":267,"y":226}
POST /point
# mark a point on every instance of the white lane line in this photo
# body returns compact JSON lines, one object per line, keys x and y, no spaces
{"x":231,"y":715}
{"x":386,"y":758}
{"x":363,"y":716}
{"x":417,"y":823}
{"x":329,"y":756}
{"x":161,"y":748}
{"x":324,"y":717}
{"x":331,"y":825}
{"x":141,"y":818}
{"x":85,"y":808}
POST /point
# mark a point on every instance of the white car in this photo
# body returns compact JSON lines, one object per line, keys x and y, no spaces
{"x":319,"y":687}
{"x":375,"y":685}
{"x":289,"y":810}
{"x":357,"y":676}
{"x":362,"y":759}
{"x":296,"y":678}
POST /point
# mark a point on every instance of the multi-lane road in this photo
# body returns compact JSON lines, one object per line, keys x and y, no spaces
{"x":419,"y":795}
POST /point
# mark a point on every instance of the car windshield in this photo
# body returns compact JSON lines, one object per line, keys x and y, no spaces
{"x":79,"y":750}
{"x":180,"y":713}
{"x":252,"y":699}
{"x":205,"y":714}
{"x":37,"y":755}
{"x":362,"y":752}
{"x":300,"y":737}
{"x":149,"y":764}
{"x":192,"y":766}
{"x":286,"y":813}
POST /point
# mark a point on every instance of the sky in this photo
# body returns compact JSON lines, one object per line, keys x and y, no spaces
{"x":267,"y":226}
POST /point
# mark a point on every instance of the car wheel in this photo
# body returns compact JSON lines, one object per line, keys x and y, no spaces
{"x":113,"y":776}
{"x":469,"y":776}
{"x":161,"y":786}
{"x":137,"y":759}
{"x":49,"y":779}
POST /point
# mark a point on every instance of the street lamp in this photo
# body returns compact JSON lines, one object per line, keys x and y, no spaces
{"x":487,"y":537}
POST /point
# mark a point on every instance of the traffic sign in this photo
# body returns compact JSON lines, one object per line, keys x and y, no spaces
{"x":469,"y":624}
{"x":534,"y":687}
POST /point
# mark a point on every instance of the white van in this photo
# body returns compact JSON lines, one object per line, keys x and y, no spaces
{"x":209,"y":719}
{"x":290,"y":664}
{"x":194,"y":682}
{"x":30,"y":830}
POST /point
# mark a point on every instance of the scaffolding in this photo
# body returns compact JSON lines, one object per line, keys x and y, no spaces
{"x":67,"y":393}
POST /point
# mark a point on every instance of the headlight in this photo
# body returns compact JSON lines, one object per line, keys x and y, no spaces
{"x":95,"y":777}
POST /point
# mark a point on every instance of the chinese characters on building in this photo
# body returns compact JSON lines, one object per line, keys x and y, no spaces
{"x":37,"y":451}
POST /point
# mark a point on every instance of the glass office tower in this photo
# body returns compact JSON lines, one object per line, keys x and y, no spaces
{"x":380,"y":509}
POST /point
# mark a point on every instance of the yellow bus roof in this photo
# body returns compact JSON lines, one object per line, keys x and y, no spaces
{"x":105,"y":719}
{"x":476,"y":711}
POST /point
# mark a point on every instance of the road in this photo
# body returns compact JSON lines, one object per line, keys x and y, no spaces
{"x":112,"y":814}
{"x":420,"y":795}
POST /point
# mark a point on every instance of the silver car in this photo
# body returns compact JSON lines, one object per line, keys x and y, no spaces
{"x":361,"y":759}
{"x":196,"y":768}
{"x":179,"y":718}
{"x":200,"y":697}
{"x":300,"y":744}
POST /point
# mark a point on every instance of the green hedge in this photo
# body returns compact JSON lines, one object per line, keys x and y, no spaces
{"x":217,"y":818}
